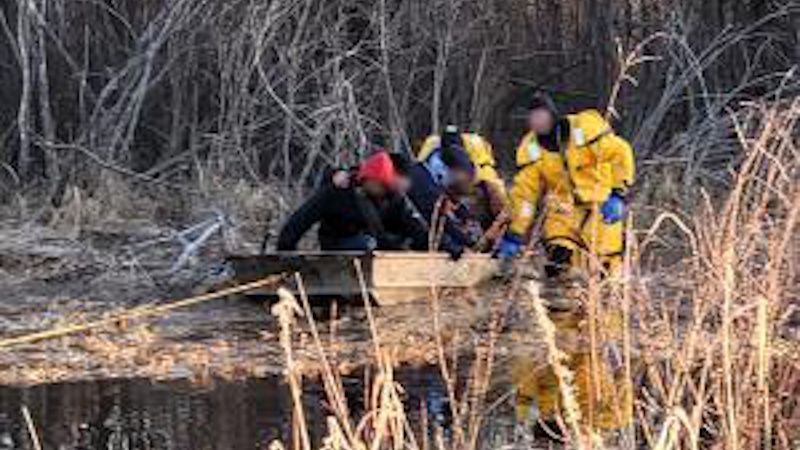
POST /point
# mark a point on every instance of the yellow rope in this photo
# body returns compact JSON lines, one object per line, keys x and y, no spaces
{"x":137,"y":313}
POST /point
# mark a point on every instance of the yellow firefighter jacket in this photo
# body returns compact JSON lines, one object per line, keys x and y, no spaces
{"x":572,"y":183}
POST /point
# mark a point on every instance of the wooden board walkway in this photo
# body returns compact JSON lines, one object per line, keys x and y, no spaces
{"x":391,"y":277}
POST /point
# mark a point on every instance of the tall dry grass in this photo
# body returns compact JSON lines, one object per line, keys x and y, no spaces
{"x":718,"y":369}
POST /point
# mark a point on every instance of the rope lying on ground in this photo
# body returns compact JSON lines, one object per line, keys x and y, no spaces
{"x":136,"y":313}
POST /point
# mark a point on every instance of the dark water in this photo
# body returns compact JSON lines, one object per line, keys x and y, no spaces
{"x":141,"y":414}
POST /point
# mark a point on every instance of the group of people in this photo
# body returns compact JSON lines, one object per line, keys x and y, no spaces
{"x":573,"y":171}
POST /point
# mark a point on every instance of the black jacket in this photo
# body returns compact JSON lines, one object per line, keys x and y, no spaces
{"x":344,"y":213}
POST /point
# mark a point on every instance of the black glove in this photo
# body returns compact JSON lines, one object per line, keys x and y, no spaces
{"x":455,"y":251}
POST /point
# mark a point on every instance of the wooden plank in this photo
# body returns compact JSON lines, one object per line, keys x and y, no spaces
{"x":404,"y":277}
{"x":323,"y":274}
{"x":391,"y":277}
{"x":434,"y":269}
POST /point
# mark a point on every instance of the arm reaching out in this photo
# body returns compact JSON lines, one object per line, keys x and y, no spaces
{"x":303,"y":219}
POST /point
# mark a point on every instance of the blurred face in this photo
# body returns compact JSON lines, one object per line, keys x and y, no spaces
{"x":460,"y":181}
{"x":403,"y":184}
{"x":541,"y":121}
{"x":374,"y":189}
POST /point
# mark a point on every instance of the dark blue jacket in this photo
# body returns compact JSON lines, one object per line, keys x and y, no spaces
{"x":426,"y":189}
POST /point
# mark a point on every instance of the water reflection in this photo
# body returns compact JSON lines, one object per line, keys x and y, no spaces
{"x":600,"y":389}
{"x":138,"y":414}
{"x":141,"y":414}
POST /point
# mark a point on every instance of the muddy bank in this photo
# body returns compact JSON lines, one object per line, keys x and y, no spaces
{"x":232,"y":339}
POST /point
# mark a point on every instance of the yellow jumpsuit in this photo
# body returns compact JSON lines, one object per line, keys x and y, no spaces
{"x":537,"y":385}
{"x":604,"y":397}
{"x":571,"y":184}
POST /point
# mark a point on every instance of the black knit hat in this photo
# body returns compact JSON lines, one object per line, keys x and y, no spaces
{"x":541,"y":100}
{"x":457,"y":158}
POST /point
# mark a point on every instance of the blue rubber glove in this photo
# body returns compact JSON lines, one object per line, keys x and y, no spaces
{"x":613,"y":210}
{"x":510,"y":246}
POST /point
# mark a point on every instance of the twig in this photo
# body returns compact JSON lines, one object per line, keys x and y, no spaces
{"x":37,"y":444}
{"x":137,"y":313}
{"x":191,"y":247}
{"x":285,"y":311}
{"x":338,"y":400}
